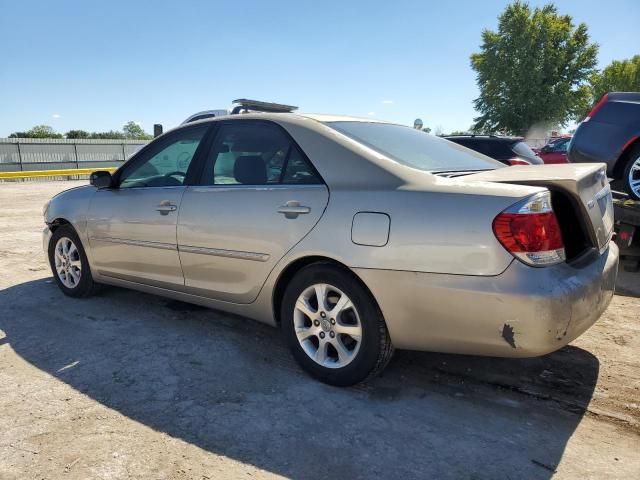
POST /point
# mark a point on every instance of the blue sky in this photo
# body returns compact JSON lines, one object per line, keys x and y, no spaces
{"x":95,"y":65}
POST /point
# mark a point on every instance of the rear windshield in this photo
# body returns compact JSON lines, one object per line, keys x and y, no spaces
{"x":415,"y":148}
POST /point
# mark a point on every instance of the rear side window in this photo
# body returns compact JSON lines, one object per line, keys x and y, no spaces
{"x":499,"y":150}
{"x":255,"y":153}
{"x":414,"y":148}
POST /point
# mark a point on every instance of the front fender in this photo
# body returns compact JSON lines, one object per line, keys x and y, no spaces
{"x":71,"y":206}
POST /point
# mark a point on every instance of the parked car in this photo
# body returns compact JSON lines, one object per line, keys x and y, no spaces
{"x":611,"y":134}
{"x":353,"y":236}
{"x":507,"y":150}
{"x":555,"y":151}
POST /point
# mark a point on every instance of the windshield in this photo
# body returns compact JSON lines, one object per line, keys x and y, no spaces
{"x":415,"y":148}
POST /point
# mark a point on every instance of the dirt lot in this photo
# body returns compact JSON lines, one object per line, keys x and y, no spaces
{"x":126,"y":385}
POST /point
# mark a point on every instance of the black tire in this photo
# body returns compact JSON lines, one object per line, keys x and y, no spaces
{"x":634,"y":155}
{"x":85,"y":287}
{"x":375,"y":349}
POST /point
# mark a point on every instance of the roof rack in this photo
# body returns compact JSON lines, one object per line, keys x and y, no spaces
{"x":246,"y":105}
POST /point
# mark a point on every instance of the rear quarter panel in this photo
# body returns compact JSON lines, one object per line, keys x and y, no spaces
{"x":446,"y":230}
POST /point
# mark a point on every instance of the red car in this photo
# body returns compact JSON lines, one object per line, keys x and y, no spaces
{"x":555,"y":151}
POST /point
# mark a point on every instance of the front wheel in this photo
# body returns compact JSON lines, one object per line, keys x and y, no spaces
{"x":69,"y":263}
{"x":632,"y":174}
{"x":333,"y":326}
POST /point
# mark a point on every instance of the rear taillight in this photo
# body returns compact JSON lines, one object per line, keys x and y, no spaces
{"x":596,"y":108}
{"x":529,"y":230}
{"x":518,"y":161}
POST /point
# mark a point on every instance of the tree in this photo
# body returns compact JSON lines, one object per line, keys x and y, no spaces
{"x":39,"y":131}
{"x":134,"y":131}
{"x":110,"y":135}
{"x":618,"y":76}
{"x":77,"y":134}
{"x":533,"y":70}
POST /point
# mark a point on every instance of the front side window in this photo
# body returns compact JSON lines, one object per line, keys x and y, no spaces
{"x":560,"y":145}
{"x":255,"y":153}
{"x":414,"y":148}
{"x":166,"y":165}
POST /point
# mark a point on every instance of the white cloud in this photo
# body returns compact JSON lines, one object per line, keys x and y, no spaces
{"x":388,"y":102}
{"x":373,"y":114}
{"x":56,"y":115}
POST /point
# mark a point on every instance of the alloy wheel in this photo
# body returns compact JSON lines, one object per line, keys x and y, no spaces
{"x":327,"y":325}
{"x":634,"y":177}
{"x":68,"y":263}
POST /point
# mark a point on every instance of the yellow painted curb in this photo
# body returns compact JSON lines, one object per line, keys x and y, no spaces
{"x":53,"y":173}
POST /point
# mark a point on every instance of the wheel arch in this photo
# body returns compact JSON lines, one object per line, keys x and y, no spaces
{"x":298,"y":264}
{"x":58,"y":222}
{"x":625,"y":156}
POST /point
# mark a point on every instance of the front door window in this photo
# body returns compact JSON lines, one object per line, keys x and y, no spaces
{"x":165,"y":165}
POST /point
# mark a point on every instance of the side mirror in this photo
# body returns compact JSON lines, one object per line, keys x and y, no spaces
{"x":100,"y":179}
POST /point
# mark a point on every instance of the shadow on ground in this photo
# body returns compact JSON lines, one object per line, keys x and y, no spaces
{"x":227,"y":384}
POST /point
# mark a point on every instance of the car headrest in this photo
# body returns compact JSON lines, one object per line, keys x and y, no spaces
{"x":250,"y":170}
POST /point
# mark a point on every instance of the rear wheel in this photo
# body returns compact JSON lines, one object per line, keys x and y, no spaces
{"x":69,"y":263}
{"x":333,"y":326}
{"x":631,"y":176}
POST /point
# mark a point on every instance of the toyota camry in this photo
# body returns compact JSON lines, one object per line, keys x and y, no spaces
{"x":353,"y":236}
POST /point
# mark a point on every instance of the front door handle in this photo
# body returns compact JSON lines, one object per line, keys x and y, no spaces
{"x":165,"y":207}
{"x":292,"y":209}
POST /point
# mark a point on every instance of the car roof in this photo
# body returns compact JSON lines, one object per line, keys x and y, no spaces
{"x":332,"y":151}
{"x":319,"y":117}
{"x":624,"y":96}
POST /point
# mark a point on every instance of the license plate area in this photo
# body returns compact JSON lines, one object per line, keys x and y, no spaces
{"x":604,"y":207}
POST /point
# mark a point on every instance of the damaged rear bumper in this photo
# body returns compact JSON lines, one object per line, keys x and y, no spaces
{"x":522,"y":312}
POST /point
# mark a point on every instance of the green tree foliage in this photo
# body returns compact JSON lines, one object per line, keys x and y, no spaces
{"x":618,"y":76}
{"x":39,"y":131}
{"x":130,"y":131}
{"x":77,"y":134}
{"x":533,"y":70}
{"x":134,"y":131}
{"x":110,"y":135}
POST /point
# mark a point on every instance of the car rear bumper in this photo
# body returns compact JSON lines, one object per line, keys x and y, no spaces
{"x":522,"y":312}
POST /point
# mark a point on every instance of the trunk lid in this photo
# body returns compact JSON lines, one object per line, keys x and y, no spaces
{"x":585,"y":183}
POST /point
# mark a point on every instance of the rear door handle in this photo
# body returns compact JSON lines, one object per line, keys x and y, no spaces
{"x":292,"y":209}
{"x":165,"y":207}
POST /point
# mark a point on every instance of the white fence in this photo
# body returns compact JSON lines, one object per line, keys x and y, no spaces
{"x":18,"y":154}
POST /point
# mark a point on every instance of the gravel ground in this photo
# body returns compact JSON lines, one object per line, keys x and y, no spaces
{"x":127,"y":385}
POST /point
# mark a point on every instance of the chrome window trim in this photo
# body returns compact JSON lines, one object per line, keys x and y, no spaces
{"x":267,"y":187}
{"x":166,"y":187}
